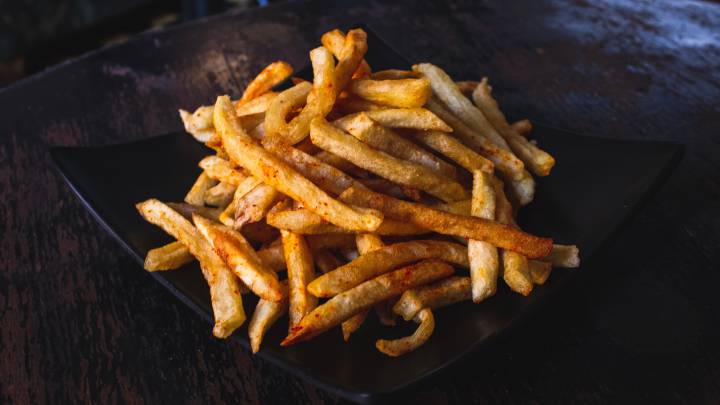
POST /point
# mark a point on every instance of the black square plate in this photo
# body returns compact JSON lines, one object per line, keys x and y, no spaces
{"x":596,"y":185}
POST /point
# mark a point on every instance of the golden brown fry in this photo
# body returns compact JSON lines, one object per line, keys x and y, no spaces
{"x":462,"y":207}
{"x":196,"y":195}
{"x":305,"y":222}
{"x":366,"y":242}
{"x":567,"y":256}
{"x":539,"y":161}
{"x":451,"y":147}
{"x":257,"y":105}
{"x":220,"y":195}
{"x":319,"y":102}
{"x":346,"y":304}
{"x":168,"y":257}
{"x":265,"y":315}
{"x":224,"y":286}
{"x":394,"y":74}
{"x":221,"y":170}
{"x":341,"y":164}
{"x":522,"y":127}
{"x":398,"y":347}
{"x":436,"y":295}
{"x":187,"y":210}
{"x":242,"y":259}
{"x":253,"y":206}
{"x":274,"y":172}
{"x":412,"y":118}
{"x":483,"y":257}
{"x":273,"y":74}
{"x":335,"y":41}
{"x":362,"y":127}
{"x":335,"y":140}
{"x":350,"y":57}
{"x":273,"y":257}
{"x":300,"y":271}
{"x":383,"y":260}
{"x":200,"y":123}
{"x":353,"y":324}
{"x":450,"y":224}
{"x":539,"y":271}
{"x":353,"y":104}
{"x":446,"y":90}
{"x":281,"y":106}
{"x":516,"y":272}
{"x":402,"y":93}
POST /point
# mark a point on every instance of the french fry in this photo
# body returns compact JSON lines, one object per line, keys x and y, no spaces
{"x":253,"y":206}
{"x":398,"y":347}
{"x":168,"y":257}
{"x":436,"y":295}
{"x":346,"y":304}
{"x":394,"y":74}
{"x":522,"y":127}
{"x":567,"y":256}
{"x":462,"y":207}
{"x":350,"y":58}
{"x":452,"y":148}
{"x":412,"y":118}
{"x":224,"y":286}
{"x":539,"y":271}
{"x":335,"y":140}
{"x":319,"y":102}
{"x":272,"y":171}
{"x":370,"y":132}
{"x":366,"y":242}
{"x":221,"y":170}
{"x":341,"y":164}
{"x":273,"y":74}
{"x":265,"y":315}
{"x":450,"y":224}
{"x":382,"y":260}
{"x":300,"y":271}
{"x":353,"y":323}
{"x":335,"y":41}
{"x":446,"y":90}
{"x":305,"y":222}
{"x":199,"y":124}
{"x":281,"y":106}
{"x":196,"y":195}
{"x":273,"y":257}
{"x":242,"y":259}
{"x":187,"y":210}
{"x":402,"y":93}
{"x":483,"y":257}
{"x":220,"y":195}
{"x":536,"y":159}
{"x":257,"y":105}
{"x":354,"y":104}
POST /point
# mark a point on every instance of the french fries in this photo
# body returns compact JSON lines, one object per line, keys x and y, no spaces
{"x":346,"y":304}
{"x":313,"y":176}
{"x":382,"y":260}
{"x":224,"y":287}
{"x":346,"y":146}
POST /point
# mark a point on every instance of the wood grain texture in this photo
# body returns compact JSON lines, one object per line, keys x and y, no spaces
{"x":81,"y":323}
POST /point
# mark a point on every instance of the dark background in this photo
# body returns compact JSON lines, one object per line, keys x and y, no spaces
{"x":81,"y":323}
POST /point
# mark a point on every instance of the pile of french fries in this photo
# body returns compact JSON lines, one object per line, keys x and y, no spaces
{"x":372,"y":191}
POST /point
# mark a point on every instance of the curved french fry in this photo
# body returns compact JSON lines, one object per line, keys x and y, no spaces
{"x":273,"y":74}
{"x":436,"y":295}
{"x":398,"y":347}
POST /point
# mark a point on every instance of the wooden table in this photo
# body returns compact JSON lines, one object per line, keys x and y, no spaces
{"x":80,"y":322}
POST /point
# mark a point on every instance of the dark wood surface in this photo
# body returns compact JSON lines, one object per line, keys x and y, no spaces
{"x":81,"y":323}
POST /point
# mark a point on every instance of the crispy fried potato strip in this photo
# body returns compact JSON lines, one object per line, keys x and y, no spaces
{"x":196,"y":195}
{"x":451,"y":224}
{"x":412,"y":118}
{"x":335,"y":41}
{"x":306,"y":222}
{"x":199,"y":124}
{"x":380,"y":261}
{"x":483,"y":257}
{"x":536,"y":159}
{"x":273,"y":74}
{"x":335,"y":140}
{"x":168,"y":257}
{"x":364,"y":128}
{"x":394,"y":74}
{"x":452,"y":148}
{"x":254,"y":205}
{"x":350,"y":58}
{"x":436,"y":295}
{"x":221,"y":170}
{"x":539,"y":271}
{"x":300,"y":270}
{"x":402,"y":93}
{"x":220,"y":195}
{"x":224,"y":286}
{"x":398,"y":347}
{"x":265,"y":315}
{"x":242,"y":259}
{"x":281,"y":106}
{"x":244,"y":151}
{"x":257,"y":105}
{"x":187,"y":210}
{"x":522,"y":127}
{"x":344,"y":305}
{"x":567,"y":256}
